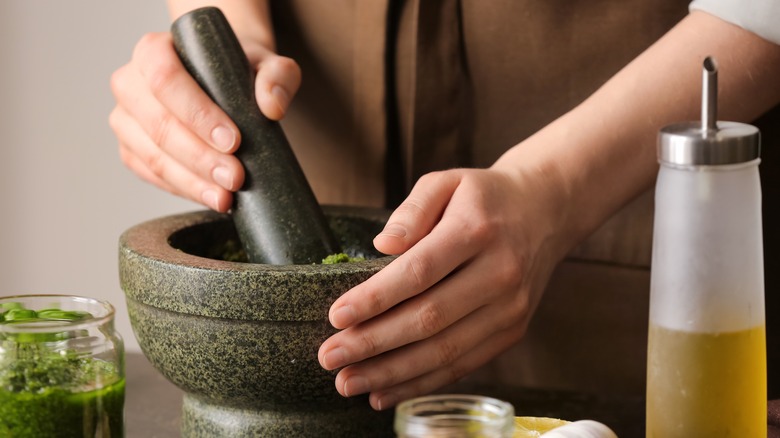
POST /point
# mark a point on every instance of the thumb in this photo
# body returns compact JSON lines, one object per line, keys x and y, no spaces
{"x":278,"y":79}
{"x":419,"y":213}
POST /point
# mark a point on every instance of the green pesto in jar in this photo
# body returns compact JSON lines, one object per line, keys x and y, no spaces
{"x":47,"y":391}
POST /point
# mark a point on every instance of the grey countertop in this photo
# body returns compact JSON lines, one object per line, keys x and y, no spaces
{"x":153,"y":405}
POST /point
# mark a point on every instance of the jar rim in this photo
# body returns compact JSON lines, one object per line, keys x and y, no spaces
{"x":97,"y":319}
{"x":448,"y":412}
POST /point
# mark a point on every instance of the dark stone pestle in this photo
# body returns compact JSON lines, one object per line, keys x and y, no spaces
{"x":276,"y":214}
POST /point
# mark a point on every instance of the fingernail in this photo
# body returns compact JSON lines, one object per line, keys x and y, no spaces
{"x":343,"y":317}
{"x":282,"y":98}
{"x":224,"y":138}
{"x":334,"y":358}
{"x":223,"y":177}
{"x":394,"y":231}
{"x":211,"y":199}
{"x":386,"y":401}
{"x":356,"y":385}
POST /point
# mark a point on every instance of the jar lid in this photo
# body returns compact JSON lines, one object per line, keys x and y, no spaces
{"x":708,"y":142}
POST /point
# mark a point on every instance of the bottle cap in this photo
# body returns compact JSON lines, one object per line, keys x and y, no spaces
{"x":708,"y":142}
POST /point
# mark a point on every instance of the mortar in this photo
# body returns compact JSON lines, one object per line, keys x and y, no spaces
{"x":241,"y":339}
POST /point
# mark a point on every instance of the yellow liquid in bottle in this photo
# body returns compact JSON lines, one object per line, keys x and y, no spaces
{"x":706,"y":384}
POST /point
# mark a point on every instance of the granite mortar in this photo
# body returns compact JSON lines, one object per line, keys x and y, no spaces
{"x":241,"y":339}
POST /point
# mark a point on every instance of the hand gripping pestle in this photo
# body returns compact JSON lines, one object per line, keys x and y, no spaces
{"x":276,"y":214}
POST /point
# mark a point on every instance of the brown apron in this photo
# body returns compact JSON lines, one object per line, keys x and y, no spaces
{"x":395,"y":89}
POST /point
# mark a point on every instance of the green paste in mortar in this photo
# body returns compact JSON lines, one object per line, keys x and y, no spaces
{"x":340,"y":258}
{"x":48,"y":393}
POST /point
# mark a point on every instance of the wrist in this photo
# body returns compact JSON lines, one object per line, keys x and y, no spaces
{"x":544,"y":191}
{"x":586,"y":172}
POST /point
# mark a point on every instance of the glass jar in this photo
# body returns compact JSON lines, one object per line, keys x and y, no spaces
{"x":61,"y":368}
{"x":454,"y":416}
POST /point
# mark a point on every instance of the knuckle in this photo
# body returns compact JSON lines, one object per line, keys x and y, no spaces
{"x":161,"y":75}
{"x":154,"y":64}
{"x":479,"y":227}
{"x":522,"y":305}
{"x":149,"y":44}
{"x":114,"y":120}
{"x":479,"y":224}
{"x":155,"y":162}
{"x":431,"y":178}
{"x":147,"y":40}
{"x":369,"y":343}
{"x":202,"y":118}
{"x":411,"y":210}
{"x":454,"y":372}
{"x":391,"y":375}
{"x":118,"y":81}
{"x":283,"y":70}
{"x":198,"y":116}
{"x":431,"y":319}
{"x":287,"y":62}
{"x":508,"y":275}
{"x":446,"y":354}
{"x":375,"y":301}
{"x":161,"y":130}
{"x":519,"y":311}
{"x":420,"y":268}
{"x":205,"y":164}
{"x":289,"y":66}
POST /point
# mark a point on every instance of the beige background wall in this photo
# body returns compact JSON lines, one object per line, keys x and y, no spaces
{"x":65,"y":197}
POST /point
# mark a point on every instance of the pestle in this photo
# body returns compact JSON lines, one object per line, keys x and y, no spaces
{"x":275,"y":212}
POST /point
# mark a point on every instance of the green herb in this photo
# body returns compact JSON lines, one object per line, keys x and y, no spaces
{"x":15,"y":312}
{"x":20,"y":315}
{"x":10,"y":305}
{"x":231,"y":251}
{"x":340,"y":258}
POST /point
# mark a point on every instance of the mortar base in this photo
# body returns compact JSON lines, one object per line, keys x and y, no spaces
{"x":207,"y":419}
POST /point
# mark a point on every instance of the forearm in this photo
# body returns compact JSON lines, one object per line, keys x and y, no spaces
{"x":250,"y":20}
{"x":603,"y":153}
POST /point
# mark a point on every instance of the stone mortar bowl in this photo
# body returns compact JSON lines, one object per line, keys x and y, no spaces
{"x":241,"y":339}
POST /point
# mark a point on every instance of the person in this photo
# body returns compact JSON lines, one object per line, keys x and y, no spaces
{"x":442,"y":110}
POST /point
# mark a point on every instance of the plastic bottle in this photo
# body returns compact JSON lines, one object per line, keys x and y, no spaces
{"x":706,"y":370}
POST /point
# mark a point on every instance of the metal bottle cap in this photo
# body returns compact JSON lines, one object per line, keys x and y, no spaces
{"x":708,"y":142}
